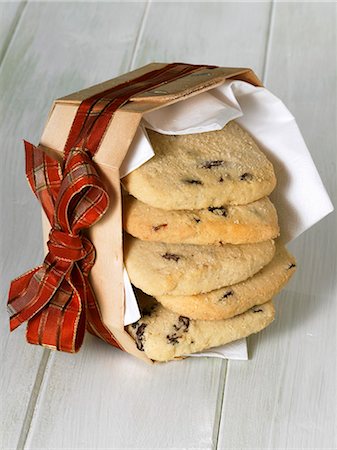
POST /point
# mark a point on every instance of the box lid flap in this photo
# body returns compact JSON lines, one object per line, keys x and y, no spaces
{"x":200,"y":79}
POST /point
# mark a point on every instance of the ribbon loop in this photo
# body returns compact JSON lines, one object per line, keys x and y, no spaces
{"x":82,"y":198}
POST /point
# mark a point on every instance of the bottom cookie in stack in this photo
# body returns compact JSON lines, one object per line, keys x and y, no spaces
{"x":164,"y":335}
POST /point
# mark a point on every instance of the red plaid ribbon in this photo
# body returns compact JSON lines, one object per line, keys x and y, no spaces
{"x":56,"y":298}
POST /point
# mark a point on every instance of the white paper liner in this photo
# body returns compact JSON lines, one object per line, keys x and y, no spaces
{"x":234,"y":350}
{"x":275,"y":130}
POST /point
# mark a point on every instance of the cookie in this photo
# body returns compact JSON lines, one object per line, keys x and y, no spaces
{"x":202,"y":170}
{"x":232,"y":300}
{"x":185,"y":269}
{"x":245,"y":224}
{"x":164,"y":335}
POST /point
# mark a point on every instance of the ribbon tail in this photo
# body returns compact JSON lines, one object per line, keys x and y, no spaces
{"x":20,"y":289}
{"x":61,"y":324}
{"x":31,"y":292}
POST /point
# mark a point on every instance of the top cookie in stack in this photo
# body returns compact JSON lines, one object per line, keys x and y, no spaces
{"x":203,"y":230}
{"x":199,"y":171}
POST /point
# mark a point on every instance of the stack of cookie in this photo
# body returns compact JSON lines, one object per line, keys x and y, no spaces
{"x":199,"y":242}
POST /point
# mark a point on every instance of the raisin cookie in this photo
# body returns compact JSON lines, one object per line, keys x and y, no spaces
{"x":185,"y":269}
{"x":164,"y":335}
{"x":244,"y":224}
{"x":233,"y":300}
{"x":198,"y":171}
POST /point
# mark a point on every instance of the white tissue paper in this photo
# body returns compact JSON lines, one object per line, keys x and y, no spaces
{"x":275,"y":130}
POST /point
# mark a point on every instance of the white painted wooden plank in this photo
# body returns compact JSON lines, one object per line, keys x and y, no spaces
{"x":285,"y":397}
{"x":228,"y":34}
{"x":20,"y":372}
{"x":103,"y":398}
{"x":52,"y":53}
{"x":16,"y":392}
{"x":10,"y":13}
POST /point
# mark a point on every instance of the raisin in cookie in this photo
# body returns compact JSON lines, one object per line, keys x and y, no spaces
{"x":164,"y":335}
{"x":232,"y":300}
{"x":197,"y":171}
{"x":244,"y":224}
{"x":185,"y":269}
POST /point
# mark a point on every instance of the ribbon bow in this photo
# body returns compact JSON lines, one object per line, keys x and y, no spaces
{"x":73,"y":199}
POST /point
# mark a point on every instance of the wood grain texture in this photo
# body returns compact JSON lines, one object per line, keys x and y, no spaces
{"x":285,"y":397}
{"x":10,"y":13}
